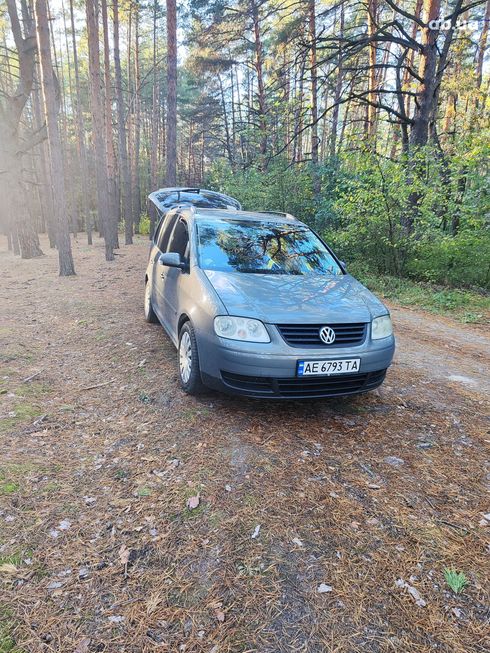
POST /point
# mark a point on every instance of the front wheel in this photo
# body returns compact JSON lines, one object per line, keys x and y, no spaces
{"x":189,"y":370}
{"x":150,"y":315}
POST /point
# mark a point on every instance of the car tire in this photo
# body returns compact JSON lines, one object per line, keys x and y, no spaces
{"x":150,"y":315}
{"x":189,"y":369}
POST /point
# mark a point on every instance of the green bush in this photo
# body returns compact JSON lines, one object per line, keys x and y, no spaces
{"x":144,"y":225}
{"x":365,"y":199}
{"x":462,"y":260}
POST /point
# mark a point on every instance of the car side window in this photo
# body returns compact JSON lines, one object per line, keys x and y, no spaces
{"x":159,"y":227}
{"x":166,"y":230}
{"x":180,"y":239}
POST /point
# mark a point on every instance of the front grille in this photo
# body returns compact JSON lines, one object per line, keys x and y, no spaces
{"x":300,"y":388}
{"x":308,"y":335}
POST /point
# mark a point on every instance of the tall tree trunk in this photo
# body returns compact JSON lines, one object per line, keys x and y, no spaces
{"x":80,"y":132}
{"x":66,"y":265}
{"x":114,"y":204}
{"x":338,"y":89}
{"x":155,"y":123}
{"x":171,"y":139}
{"x":125,"y":182}
{"x":372,"y":14}
{"x":13,"y":150}
{"x":98,"y":125}
{"x":136,"y":194}
{"x":426,"y":94}
{"x":314,"y":96}
{"x":229,"y":150}
{"x":259,"y":69}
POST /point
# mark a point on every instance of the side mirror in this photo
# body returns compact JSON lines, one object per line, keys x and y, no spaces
{"x":172,"y":260}
{"x":344,"y":265}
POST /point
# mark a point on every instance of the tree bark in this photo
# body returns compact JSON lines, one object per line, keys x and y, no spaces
{"x":114,"y":204}
{"x":98,"y":125}
{"x":171,"y":139}
{"x":80,"y":132}
{"x":426,"y":94}
{"x":12,"y":150}
{"x":259,"y":69}
{"x":125,"y":182}
{"x":338,"y":90}
{"x":136,"y":194}
{"x":314,"y":95}
{"x":372,"y":13}
{"x":51,"y":107}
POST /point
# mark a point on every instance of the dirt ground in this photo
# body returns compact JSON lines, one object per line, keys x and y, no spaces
{"x":369,"y":499}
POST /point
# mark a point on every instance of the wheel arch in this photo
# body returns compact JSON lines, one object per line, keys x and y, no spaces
{"x":182,"y":320}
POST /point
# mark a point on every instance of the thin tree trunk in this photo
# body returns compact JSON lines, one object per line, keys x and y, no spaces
{"x":259,"y":66}
{"x":136,"y":194}
{"x":114,"y":203}
{"x":98,"y":125}
{"x":80,"y":131}
{"x":372,"y":12}
{"x":125,"y":182}
{"x":171,"y":139}
{"x":314,"y":96}
{"x":66,"y":265}
{"x":338,"y":90}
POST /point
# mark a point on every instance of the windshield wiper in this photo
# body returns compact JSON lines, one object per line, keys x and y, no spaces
{"x":261,"y":271}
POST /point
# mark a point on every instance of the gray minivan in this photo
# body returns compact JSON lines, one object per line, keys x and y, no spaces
{"x":258,"y":305}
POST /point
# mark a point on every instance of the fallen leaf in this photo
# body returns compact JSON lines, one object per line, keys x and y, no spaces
{"x":82,"y":646}
{"x":193,"y":502}
{"x":414,"y":593}
{"x":220,"y":615}
{"x":124,"y":553}
{"x":256,"y":532}
{"x":8,"y":568}
{"x":297,"y":541}
{"x":323,"y":588}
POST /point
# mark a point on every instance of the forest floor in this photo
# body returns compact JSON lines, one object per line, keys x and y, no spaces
{"x":322,"y":526}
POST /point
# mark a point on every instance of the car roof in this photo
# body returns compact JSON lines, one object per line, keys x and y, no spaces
{"x":200,"y":214}
{"x":159,"y":196}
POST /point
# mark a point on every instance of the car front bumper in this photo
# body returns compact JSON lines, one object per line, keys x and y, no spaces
{"x":269,"y":370}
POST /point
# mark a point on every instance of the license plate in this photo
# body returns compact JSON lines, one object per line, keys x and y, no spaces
{"x":328,"y":367}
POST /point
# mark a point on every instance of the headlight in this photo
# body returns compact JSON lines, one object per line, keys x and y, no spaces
{"x":240,"y":328}
{"x":381,"y":327}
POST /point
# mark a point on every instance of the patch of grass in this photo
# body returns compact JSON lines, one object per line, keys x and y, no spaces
{"x":464,"y":305}
{"x":32,"y":389}
{"x":457,"y":581}
{"x":7,"y":624}
{"x":9,"y":487}
{"x":143,"y":491}
{"x":23,"y":411}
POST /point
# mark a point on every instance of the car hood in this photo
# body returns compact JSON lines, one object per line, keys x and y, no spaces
{"x":290,"y":299}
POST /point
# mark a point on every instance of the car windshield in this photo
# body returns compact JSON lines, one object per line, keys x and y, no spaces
{"x":262,"y":247}
{"x":203,"y":200}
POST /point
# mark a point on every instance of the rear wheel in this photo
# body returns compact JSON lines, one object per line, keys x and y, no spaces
{"x":150,"y":315}
{"x":189,"y":370}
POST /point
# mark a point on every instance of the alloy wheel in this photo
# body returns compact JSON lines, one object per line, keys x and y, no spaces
{"x":185,"y":357}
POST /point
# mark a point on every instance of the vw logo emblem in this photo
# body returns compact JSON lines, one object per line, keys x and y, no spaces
{"x":327,"y":335}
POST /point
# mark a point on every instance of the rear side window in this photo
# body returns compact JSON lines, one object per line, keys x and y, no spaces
{"x":180,"y":239}
{"x":203,"y":200}
{"x":165,"y":231}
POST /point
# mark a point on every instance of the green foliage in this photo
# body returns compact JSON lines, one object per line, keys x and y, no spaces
{"x":364,"y":203}
{"x":464,"y":305}
{"x":145,"y":225}
{"x":457,"y":581}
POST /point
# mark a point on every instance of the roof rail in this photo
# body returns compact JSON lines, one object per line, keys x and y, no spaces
{"x":288,"y":216}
